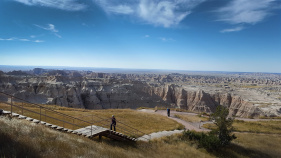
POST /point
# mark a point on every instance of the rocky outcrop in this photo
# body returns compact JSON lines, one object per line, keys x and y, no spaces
{"x":199,"y":101}
{"x":79,"y":92}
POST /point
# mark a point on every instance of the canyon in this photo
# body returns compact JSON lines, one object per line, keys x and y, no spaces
{"x":245,"y":94}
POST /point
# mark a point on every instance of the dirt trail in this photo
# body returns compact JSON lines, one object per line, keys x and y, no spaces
{"x":188,"y":125}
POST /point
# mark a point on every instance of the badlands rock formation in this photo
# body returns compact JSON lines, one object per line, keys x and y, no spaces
{"x":246,"y":95}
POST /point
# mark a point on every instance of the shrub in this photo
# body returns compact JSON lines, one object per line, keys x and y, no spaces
{"x":224,"y":125}
{"x":208,"y":141}
{"x":218,"y":137}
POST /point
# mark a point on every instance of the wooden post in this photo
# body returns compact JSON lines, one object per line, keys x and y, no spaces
{"x":40,"y":113}
{"x":73,"y":124}
{"x":63,"y":122}
{"x":11,"y":106}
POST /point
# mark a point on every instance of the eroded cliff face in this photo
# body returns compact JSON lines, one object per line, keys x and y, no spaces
{"x":199,"y":101}
{"x":80,"y":92}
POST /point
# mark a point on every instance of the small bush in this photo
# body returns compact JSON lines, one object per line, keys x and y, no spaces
{"x":219,"y":136}
{"x":208,"y":141}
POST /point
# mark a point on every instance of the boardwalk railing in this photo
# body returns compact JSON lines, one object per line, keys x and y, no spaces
{"x":44,"y":114}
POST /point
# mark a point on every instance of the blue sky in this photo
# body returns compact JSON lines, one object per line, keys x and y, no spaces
{"x":205,"y":35}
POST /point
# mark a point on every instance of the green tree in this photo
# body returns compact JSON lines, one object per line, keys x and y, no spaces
{"x":224,"y":125}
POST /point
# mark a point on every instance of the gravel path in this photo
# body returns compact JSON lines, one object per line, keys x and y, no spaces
{"x":188,"y":125}
{"x":159,"y":135}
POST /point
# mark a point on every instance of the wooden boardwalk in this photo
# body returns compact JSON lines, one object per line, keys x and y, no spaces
{"x":89,"y":131}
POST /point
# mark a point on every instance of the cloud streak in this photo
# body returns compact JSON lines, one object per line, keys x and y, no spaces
{"x":69,"y":5}
{"x":235,"y":29}
{"x":164,"y":39}
{"x":246,"y":11}
{"x":51,"y":28}
{"x":166,"y":13}
{"x":20,"y":39}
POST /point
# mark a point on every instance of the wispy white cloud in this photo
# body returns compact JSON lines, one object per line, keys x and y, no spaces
{"x":164,"y":39}
{"x":20,"y":39}
{"x":24,"y":39}
{"x":146,"y":36}
{"x":235,"y":29}
{"x":166,"y":13}
{"x":246,"y":11}
{"x":59,"y":36}
{"x":69,"y":5}
{"x":38,"y":41}
{"x":117,"y":6}
{"x":51,"y":28}
{"x":7,"y":39}
{"x":120,"y":9}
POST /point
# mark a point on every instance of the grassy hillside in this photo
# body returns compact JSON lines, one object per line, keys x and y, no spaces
{"x":20,"y":138}
{"x":139,"y":120}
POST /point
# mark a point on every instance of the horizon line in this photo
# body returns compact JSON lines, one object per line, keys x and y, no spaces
{"x":81,"y":67}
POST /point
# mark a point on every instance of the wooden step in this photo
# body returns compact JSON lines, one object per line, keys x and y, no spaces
{"x":69,"y":131}
{"x":6,"y":112}
{"x":42,"y":122}
{"x":35,"y":121}
{"x":54,"y":126}
{"x":22,"y":117}
{"x":15,"y":114}
{"x":29,"y":119}
{"x":59,"y":128}
{"x":48,"y":124}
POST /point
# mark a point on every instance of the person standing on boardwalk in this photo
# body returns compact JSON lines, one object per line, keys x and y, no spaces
{"x":113,"y":123}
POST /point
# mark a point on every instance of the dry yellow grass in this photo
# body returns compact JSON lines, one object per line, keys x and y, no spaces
{"x":252,"y":146}
{"x":271,"y":127}
{"x":191,"y":118}
{"x":138,"y":120}
{"x":263,"y":145}
{"x":19,"y":138}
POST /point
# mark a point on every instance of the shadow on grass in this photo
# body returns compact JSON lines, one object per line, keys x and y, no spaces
{"x":235,"y":151}
{"x":11,"y":148}
{"x":122,"y":144}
